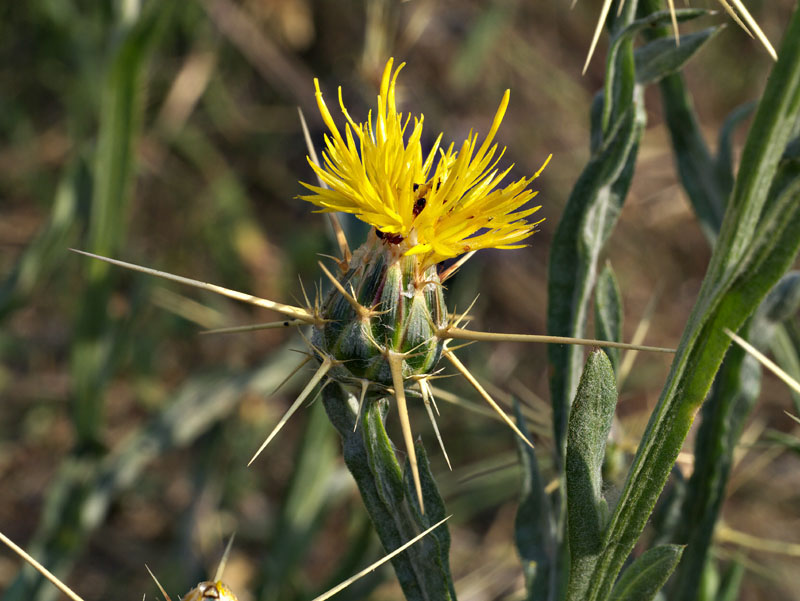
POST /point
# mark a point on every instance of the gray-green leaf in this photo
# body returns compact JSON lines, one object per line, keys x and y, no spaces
{"x":659,"y":58}
{"x":645,"y":576}
{"x":587,"y":433}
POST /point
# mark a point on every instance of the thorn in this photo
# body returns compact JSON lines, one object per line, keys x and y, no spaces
{"x":426,"y":396}
{"x":272,"y":325}
{"x":341,"y":239}
{"x":460,"y":346}
{"x":40,"y":568}
{"x":412,"y":352}
{"x":433,"y":376}
{"x":453,"y":399}
{"x":295,"y":312}
{"x":464,"y":318}
{"x":158,"y":584}
{"x":476,"y":335}
{"x":293,"y":372}
{"x":732,"y":13}
{"x":396,"y":366}
{"x":364,"y":387}
{"x":461,"y":317}
{"x":639,"y":334}
{"x":451,"y":271}
{"x":224,"y":559}
{"x":303,"y":289}
{"x":318,"y":297}
{"x":751,"y":22}
{"x":318,"y":351}
{"x":360,"y":309}
{"x":312,"y":153}
{"x":599,"y":28}
{"x":671,"y":5}
{"x":367,"y":570}
{"x":323,"y":369}
{"x":476,"y":385}
{"x":765,"y":361}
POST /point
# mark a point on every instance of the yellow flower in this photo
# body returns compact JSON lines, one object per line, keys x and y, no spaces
{"x":436,"y":206}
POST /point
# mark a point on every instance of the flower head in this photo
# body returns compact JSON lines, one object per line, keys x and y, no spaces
{"x":435,"y":206}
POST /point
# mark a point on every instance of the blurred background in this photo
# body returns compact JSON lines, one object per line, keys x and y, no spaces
{"x":167,"y":134}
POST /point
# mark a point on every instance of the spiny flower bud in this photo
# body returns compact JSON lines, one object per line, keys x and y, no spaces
{"x":399,"y":308}
{"x":206,"y":591}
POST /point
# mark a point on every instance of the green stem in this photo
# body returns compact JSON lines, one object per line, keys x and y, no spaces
{"x":390,"y":497}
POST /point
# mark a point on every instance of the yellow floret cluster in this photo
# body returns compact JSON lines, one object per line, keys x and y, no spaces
{"x":436,"y":206}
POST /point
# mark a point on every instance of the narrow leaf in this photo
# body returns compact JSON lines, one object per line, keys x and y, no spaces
{"x":534,"y":527}
{"x":92,"y":353}
{"x":608,"y":312}
{"x":589,"y":424}
{"x":645,"y":576}
{"x":724,"y":162}
{"x":786,"y":350}
{"x":659,"y":58}
{"x":694,"y":161}
{"x":731,"y":582}
{"x":724,"y":414}
{"x":783,"y":301}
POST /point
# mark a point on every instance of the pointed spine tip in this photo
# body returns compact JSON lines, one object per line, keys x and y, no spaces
{"x":396,"y":367}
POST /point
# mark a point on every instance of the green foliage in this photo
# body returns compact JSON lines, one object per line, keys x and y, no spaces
{"x":592,"y":210}
{"x":758,"y":241}
{"x":590,"y":215}
{"x":758,"y":247}
{"x":708,"y":181}
{"x":85,"y":481}
{"x":94,"y":352}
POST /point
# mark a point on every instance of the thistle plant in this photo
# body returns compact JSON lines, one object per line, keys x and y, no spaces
{"x":382,"y":327}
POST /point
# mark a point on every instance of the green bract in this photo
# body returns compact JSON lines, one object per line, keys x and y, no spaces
{"x":401,"y":310}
